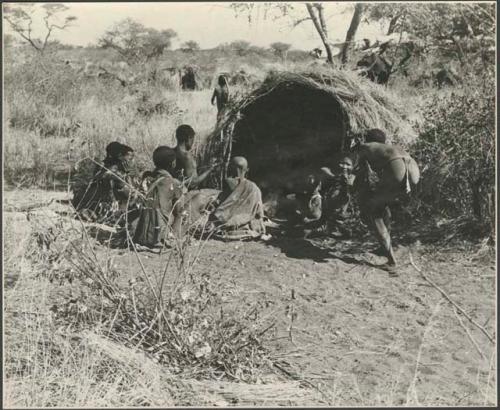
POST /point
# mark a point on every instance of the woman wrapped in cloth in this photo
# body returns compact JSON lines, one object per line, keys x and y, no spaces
{"x":239,"y":212}
{"x":110,"y":193}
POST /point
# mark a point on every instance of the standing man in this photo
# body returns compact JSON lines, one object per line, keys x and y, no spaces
{"x":221,"y":95}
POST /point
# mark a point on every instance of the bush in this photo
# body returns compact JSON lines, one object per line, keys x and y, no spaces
{"x":456,"y":150}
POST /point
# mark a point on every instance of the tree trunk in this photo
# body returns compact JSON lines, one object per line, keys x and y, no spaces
{"x":319,"y":29}
{"x":351,"y":32}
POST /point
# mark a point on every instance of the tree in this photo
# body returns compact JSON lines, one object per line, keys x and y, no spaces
{"x":294,"y":11}
{"x":190,"y":46}
{"x":21,"y":17}
{"x":280,"y":49}
{"x":135,"y":42}
{"x":351,"y":32}
{"x":456,"y":28}
{"x":241,"y":47}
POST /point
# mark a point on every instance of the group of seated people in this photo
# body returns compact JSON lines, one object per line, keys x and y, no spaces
{"x":166,"y":202}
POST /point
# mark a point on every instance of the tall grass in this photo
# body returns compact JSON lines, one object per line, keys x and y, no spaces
{"x":55,"y":117}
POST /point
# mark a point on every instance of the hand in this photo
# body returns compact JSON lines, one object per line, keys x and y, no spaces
{"x":114,"y":206}
{"x":214,"y":164}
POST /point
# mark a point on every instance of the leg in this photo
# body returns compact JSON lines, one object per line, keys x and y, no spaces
{"x":379,"y":209}
{"x":385,"y":239}
{"x":387,"y":218}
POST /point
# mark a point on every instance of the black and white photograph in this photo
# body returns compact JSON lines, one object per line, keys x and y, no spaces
{"x":249,"y":204}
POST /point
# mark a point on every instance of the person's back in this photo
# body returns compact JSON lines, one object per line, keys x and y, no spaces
{"x":221,"y":94}
{"x":391,"y":162}
{"x":386,"y":173}
{"x":163,"y":200}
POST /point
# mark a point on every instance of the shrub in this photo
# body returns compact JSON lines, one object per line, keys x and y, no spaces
{"x":456,"y":150}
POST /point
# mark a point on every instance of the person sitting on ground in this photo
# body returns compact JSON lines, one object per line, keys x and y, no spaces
{"x":185,"y":169}
{"x":239,"y":212}
{"x":396,"y":172}
{"x":220,"y":95}
{"x":161,"y":212}
{"x":337,"y":193}
{"x":109,"y":192}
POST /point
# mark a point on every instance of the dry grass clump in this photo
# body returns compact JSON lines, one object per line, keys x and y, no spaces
{"x":47,"y":364}
{"x":177,"y":317}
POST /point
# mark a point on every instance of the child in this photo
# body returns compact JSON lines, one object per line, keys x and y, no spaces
{"x":161,"y":211}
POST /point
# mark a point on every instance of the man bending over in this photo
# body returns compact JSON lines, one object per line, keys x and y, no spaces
{"x":397,"y":172}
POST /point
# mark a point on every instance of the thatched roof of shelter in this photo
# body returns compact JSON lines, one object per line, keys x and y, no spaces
{"x":308,"y":115}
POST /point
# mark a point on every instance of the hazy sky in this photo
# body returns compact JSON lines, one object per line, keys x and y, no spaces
{"x":209,"y":24}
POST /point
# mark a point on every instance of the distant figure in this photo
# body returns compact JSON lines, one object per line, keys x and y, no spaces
{"x":366,"y":44}
{"x":239,"y":211}
{"x":376,"y":68}
{"x":160,"y":214}
{"x":220,"y":95}
{"x":396,"y":173}
{"x":317,"y":52}
{"x":185,"y":168}
{"x":188,"y":80}
{"x":445,"y":77}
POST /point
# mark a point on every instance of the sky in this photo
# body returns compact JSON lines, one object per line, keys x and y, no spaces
{"x":208,"y":23}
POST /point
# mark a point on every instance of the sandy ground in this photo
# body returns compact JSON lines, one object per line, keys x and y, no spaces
{"x":362,"y":336}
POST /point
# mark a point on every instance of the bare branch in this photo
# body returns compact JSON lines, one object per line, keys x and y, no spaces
{"x":19,"y":30}
{"x":300,"y":21}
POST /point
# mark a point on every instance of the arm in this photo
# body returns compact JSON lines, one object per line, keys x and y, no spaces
{"x":214,"y":96}
{"x":192,"y":179}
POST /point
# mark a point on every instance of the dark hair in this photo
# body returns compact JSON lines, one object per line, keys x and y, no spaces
{"x":222,"y":80}
{"x":184,"y":132}
{"x":375,"y":135}
{"x":163,"y":157}
{"x":113,"y":149}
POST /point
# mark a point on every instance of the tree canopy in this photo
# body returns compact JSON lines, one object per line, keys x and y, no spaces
{"x":135,"y":42}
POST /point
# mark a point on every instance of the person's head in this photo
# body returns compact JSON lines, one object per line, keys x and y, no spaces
{"x":375,"y":135}
{"x":345,"y":167}
{"x":238,"y":166}
{"x":345,"y":163}
{"x":113,"y":149}
{"x":126,"y":153}
{"x":164,"y":158}
{"x":125,"y":157}
{"x":185,"y":136}
{"x":222,"y":81}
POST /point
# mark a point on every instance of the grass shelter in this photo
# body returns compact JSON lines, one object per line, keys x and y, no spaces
{"x":296,"y":122}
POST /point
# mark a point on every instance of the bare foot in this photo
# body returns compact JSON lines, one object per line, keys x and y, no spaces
{"x":391,"y":269}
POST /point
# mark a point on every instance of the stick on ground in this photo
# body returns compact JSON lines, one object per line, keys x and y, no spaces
{"x":481,"y":328}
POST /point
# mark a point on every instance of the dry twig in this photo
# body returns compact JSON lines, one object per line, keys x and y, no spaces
{"x":447,"y":297}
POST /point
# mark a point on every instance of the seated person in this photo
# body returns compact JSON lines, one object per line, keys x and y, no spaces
{"x":185,"y":168}
{"x":160,"y":215}
{"x":109,"y":192}
{"x":239,"y":212}
{"x":337,"y":195}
